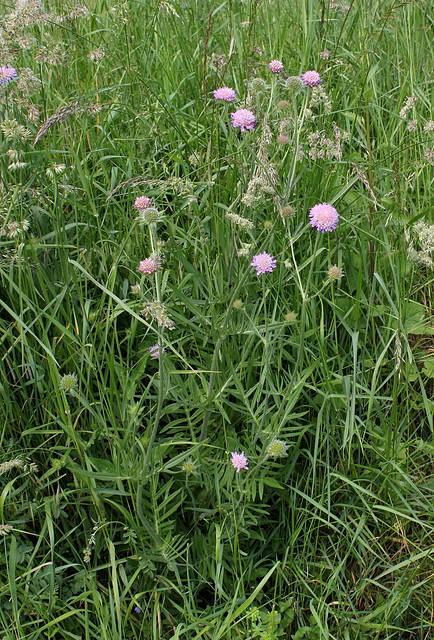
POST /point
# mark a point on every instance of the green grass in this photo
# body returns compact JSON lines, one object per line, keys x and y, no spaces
{"x":121,"y":515}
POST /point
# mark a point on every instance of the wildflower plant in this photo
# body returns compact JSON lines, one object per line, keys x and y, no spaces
{"x":234,"y":253}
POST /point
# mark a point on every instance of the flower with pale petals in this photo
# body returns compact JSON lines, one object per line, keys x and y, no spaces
{"x":225,"y":93}
{"x":335,"y":272}
{"x":142,"y":203}
{"x":6,"y":74}
{"x":239,"y":461}
{"x":276,"y":66}
{"x":263,"y":262}
{"x":244,"y":119}
{"x":148,"y":266}
{"x":324,"y":217}
{"x":156,"y":350}
{"x":311,"y":78}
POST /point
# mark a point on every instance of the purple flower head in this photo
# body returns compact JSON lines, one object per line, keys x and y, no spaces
{"x":276,"y":66}
{"x":156,"y":350}
{"x":137,"y":610}
{"x":148,"y":266}
{"x":263,"y":262}
{"x":142,"y":203}
{"x":244,"y":119}
{"x":311,"y":78}
{"x":6,"y":74}
{"x":324,"y":217}
{"x":225,"y":93}
{"x":239,"y":461}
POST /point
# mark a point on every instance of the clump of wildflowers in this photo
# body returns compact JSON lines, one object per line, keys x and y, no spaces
{"x":244,"y":118}
{"x":325,"y":55}
{"x":68,"y":382}
{"x":277,"y":449}
{"x":156,"y":351}
{"x":148,"y":266}
{"x":239,"y":461}
{"x":276,"y":66}
{"x":225,"y":93}
{"x":263,"y":263}
{"x":324,"y":217}
{"x":311,"y":78}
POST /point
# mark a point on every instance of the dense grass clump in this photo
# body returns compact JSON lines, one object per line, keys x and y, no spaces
{"x":216,"y":264}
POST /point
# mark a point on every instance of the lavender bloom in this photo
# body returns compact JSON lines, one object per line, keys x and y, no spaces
{"x":155,"y":351}
{"x":244,"y":119}
{"x":239,"y":461}
{"x":324,"y":217}
{"x":263,"y":262}
{"x":276,"y":66}
{"x":6,"y":74}
{"x":225,"y":93}
{"x":142,"y":203}
{"x":311,"y":78}
{"x":148,"y":266}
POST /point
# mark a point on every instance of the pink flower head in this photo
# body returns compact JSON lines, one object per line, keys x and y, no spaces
{"x":276,"y":66}
{"x":155,"y":351}
{"x":263,"y":262}
{"x":244,"y":119}
{"x":239,"y":461}
{"x":6,"y":74}
{"x":324,"y":217}
{"x":311,"y":78}
{"x":225,"y":93}
{"x":148,"y":266}
{"x":142,"y":203}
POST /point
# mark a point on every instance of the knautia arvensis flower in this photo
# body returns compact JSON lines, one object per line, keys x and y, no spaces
{"x":311,"y":78}
{"x":189,"y":467}
{"x":324,"y":217}
{"x":149,"y":216}
{"x":294,"y":84}
{"x":244,"y":118}
{"x":6,"y":74}
{"x":263,"y":263}
{"x":276,"y":66}
{"x":68,"y":382}
{"x":277,"y":449}
{"x":225,"y":93}
{"x":155,"y":351}
{"x":148,"y":266}
{"x":335,"y":273}
{"x":239,"y":461}
{"x":258,"y":85}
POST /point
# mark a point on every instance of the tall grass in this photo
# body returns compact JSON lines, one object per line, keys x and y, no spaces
{"x":121,"y":513}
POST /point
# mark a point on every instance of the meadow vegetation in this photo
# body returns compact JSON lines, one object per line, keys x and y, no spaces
{"x":216,"y":365}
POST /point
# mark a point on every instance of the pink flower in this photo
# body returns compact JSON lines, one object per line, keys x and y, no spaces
{"x":225,"y":93}
{"x":263,"y":262}
{"x":148,"y":266}
{"x":239,"y":461}
{"x":155,"y":351}
{"x":142,"y":203}
{"x":324,"y":217}
{"x":244,"y":119}
{"x":276,"y":66}
{"x":6,"y":74}
{"x":311,"y":78}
